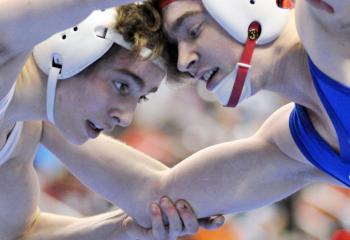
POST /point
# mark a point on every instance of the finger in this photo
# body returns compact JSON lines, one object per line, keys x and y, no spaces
{"x":175,"y":223}
{"x":158,"y":228}
{"x":135,"y":231}
{"x":188,"y":217}
{"x":212,"y":222}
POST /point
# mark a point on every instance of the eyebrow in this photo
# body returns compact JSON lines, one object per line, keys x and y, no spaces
{"x":181,"y":20}
{"x":137,"y":79}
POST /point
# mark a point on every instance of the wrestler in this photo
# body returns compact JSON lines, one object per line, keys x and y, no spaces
{"x":302,"y":54}
{"x":64,"y":83}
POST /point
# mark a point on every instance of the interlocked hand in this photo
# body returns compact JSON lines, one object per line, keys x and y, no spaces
{"x":181,"y":218}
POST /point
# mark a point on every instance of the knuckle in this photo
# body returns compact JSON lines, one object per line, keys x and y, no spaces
{"x":159,"y":235}
{"x":177,"y":229}
{"x":158,"y":228}
{"x":127,"y":221}
{"x":192,"y":228}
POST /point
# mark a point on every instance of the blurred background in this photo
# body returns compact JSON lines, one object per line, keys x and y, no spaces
{"x":179,"y":120}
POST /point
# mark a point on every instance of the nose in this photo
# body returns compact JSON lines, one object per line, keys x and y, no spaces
{"x":187,"y":58}
{"x":122,"y":118}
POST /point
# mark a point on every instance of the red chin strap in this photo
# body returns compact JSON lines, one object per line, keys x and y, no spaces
{"x":247,"y":55}
{"x":244,"y":63}
{"x":164,"y":3}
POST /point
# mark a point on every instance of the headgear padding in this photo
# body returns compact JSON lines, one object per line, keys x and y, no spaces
{"x":235,"y":16}
{"x":69,"y":52}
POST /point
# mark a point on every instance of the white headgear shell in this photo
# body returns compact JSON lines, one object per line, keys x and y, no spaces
{"x":76,"y":48}
{"x":69,"y":52}
{"x":235,"y":16}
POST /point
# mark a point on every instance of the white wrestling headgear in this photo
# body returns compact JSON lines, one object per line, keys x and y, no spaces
{"x":250,"y":22}
{"x":69,"y":52}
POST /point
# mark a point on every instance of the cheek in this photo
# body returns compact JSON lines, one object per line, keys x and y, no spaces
{"x":66,"y":96}
{"x":217,"y":39}
{"x":79,"y":100}
{"x":219,"y":47}
{"x":96,"y":91}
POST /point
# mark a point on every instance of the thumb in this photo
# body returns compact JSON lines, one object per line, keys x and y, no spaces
{"x":135,"y":231}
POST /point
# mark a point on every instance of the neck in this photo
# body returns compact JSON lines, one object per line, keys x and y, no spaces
{"x":29,"y":102}
{"x":282,"y":67}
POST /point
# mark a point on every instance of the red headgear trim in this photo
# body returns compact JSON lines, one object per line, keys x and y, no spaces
{"x":287,"y":4}
{"x":164,"y":3}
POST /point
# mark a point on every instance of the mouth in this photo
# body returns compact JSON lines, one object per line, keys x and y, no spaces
{"x":93,"y":130}
{"x":209,"y":76}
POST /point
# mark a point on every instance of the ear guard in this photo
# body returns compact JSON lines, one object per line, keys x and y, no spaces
{"x":69,"y":52}
{"x":251,"y":23}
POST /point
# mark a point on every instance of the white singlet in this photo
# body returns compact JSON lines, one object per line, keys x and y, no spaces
{"x":14,"y":136}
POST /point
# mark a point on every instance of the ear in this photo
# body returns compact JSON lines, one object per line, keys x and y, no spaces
{"x":287,"y":4}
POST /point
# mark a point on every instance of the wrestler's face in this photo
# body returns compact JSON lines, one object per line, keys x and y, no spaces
{"x":205,"y":50}
{"x":105,"y":97}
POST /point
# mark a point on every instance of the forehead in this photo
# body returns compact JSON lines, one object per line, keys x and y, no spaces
{"x":126,"y":62}
{"x":177,"y":12}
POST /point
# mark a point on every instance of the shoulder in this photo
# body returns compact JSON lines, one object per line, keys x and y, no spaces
{"x":326,"y":36}
{"x":28,"y":142}
{"x":276,"y":131}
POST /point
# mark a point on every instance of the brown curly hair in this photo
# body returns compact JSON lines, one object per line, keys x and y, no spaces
{"x":141,"y":24}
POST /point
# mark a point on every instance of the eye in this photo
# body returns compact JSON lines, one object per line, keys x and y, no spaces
{"x":195,"y":31}
{"x":143,"y":99}
{"x":121,"y":87}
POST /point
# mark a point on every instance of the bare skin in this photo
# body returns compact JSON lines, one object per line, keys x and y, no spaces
{"x":108,"y":96}
{"x":226,"y":169}
{"x":282,"y":66}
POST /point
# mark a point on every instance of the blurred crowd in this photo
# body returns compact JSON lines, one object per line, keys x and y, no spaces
{"x":181,"y":119}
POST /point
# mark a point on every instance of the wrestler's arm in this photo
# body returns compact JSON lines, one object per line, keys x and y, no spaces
{"x":54,"y":227}
{"x":246,"y":174}
{"x":114,"y":225}
{"x":24,"y":23}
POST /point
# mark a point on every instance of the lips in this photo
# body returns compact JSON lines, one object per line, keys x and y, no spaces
{"x":212,"y":79}
{"x":92,"y":129}
{"x":208,"y":75}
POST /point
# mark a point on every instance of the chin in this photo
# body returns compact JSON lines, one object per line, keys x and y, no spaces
{"x":71,"y":134}
{"x":75,"y":139}
{"x":78,"y":141}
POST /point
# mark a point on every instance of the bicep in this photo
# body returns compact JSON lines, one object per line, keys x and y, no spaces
{"x":235,"y":176}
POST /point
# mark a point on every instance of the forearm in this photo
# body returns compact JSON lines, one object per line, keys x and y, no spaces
{"x":54,"y":227}
{"x":246,"y":174}
{"x":25,"y":18}
{"x":122,"y":175}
